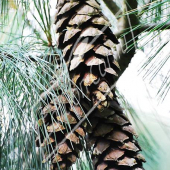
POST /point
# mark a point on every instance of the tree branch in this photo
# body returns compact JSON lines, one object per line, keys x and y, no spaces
{"x":128,"y":23}
{"x":125,"y":22}
{"x":113,"y":6}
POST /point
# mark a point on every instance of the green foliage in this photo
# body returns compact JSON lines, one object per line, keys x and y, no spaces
{"x":155,"y":36}
{"x":23,"y":19}
{"x":24,"y":74}
{"x":28,"y":61}
{"x":27,"y":65}
{"x":153,"y":28}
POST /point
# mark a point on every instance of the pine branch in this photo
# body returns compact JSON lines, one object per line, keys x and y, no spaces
{"x":129,"y":26}
{"x":125,"y":22}
{"x":155,"y":26}
{"x":10,"y":56}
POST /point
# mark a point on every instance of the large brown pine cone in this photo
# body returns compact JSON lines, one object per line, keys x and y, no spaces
{"x":88,"y":47}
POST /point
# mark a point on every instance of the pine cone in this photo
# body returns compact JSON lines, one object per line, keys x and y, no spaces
{"x":57,"y":117}
{"x":88,"y":47}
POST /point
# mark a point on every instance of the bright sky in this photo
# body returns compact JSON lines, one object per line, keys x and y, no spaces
{"x":154,"y":118}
